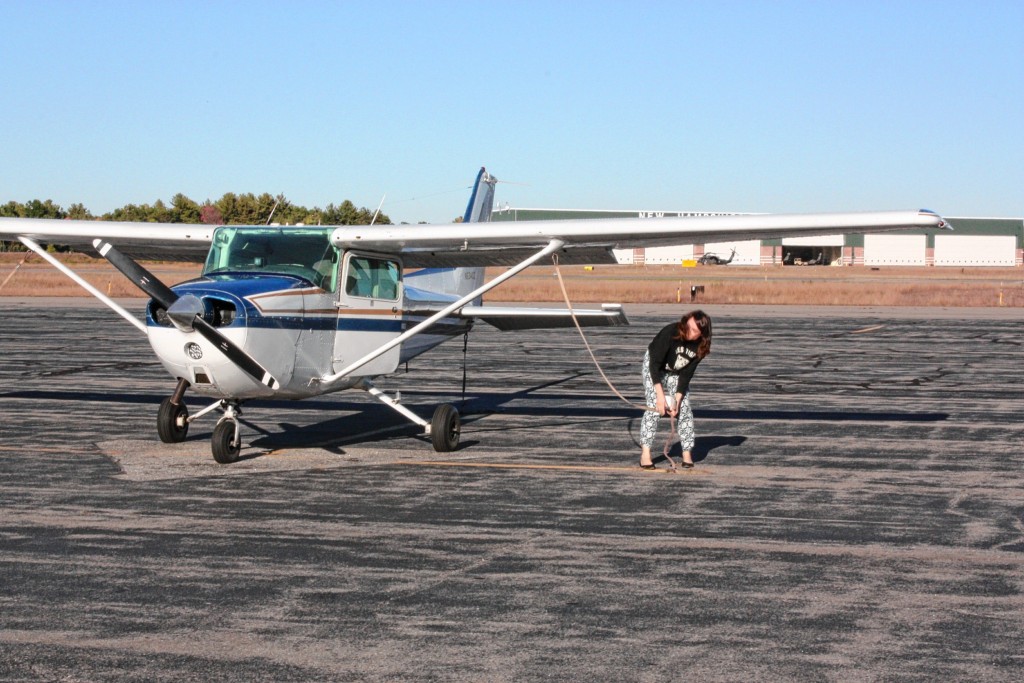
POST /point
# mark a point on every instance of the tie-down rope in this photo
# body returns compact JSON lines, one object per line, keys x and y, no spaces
{"x":576,"y":322}
{"x":20,"y":264}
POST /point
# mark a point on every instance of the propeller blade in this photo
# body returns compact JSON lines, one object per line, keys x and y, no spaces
{"x":235,"y":354}
{"x":142,"y":278}
{"x":185,"y":315}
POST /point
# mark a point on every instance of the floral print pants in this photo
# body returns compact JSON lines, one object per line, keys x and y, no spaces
{"x":649,"y":423}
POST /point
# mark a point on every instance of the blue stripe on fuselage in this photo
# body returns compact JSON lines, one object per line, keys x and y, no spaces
{"x":242,"y":284}
{"x":238,"y":287}
{"x":354,"y":324}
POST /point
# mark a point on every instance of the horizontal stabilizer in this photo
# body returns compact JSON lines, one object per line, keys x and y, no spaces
{"x":508,"y":318}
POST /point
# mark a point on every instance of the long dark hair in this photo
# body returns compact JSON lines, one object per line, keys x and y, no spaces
{"x":704,"y":323}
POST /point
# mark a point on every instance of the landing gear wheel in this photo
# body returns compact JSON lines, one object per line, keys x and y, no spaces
{"x":445,"y":428}
{"x":172,"y":421}
{"x":225,"y":450}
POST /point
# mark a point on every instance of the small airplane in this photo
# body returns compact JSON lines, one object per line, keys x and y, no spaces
{"x":296,"y":312}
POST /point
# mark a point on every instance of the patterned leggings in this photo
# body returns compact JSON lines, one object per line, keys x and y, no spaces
{"x":649,"y":423}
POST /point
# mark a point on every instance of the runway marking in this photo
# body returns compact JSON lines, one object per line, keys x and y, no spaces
{"x":46,"y":449}
{"x":867,"y":329}
{"x":573,"y":468}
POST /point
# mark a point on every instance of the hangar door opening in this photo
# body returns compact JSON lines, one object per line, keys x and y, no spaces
{"x":812,"y":251}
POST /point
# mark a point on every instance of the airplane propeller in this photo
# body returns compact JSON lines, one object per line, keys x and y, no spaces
{"x":185,"y":312}
{"x":142,"y":278}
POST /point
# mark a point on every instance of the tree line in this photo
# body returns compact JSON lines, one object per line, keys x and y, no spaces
{"x":231,"y":209}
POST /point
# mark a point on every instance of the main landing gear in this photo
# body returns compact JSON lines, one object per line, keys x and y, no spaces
{"x":226,"y":441}
{"x":444,"y":429}
{"x":172,"y":422}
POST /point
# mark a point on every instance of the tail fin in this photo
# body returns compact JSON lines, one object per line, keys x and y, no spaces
{"x":481,"y":202}
{"x":462,"y":281}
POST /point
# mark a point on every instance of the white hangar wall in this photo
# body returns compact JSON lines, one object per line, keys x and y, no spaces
{"x":973,"y":242}
{"x":975,"y":250}
{"x":895,"y":250}
{"x":673,"y":255}
{"x":748,"y":252}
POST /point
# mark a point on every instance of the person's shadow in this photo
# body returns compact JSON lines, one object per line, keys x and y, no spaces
{"x":702,"y":447}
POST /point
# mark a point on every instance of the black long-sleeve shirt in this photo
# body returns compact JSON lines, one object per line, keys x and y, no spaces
{"x":673,"y":357}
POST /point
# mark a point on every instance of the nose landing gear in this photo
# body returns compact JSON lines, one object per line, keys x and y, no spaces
{"x":172,"y":419}
{"x":172,"y":423}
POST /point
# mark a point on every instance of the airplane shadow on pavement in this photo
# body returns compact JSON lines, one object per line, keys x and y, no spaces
{"x":367,"y":422}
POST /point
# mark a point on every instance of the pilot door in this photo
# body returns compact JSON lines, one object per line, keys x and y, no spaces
{"x":369,"y":312}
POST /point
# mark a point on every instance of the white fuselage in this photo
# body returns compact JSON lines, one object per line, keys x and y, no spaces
{"x":299,"y":333}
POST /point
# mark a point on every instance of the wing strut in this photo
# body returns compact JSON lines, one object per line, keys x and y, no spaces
{"x":552,"y":246}
{"x":85,"y":285}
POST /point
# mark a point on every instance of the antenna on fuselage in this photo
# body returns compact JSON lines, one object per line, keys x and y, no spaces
{"x":276,"y":202}
{"x":377,"y":212}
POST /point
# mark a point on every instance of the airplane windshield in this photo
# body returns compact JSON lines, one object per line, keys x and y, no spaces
{"x":298,"y":251}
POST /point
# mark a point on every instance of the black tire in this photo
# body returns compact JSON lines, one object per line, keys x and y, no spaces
{"x":172,"y":421}
{"x":445,"y":429}
{"x":224,"y":451}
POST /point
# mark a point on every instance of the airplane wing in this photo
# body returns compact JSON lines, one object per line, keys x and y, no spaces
{"x":490,"y":244}
{"x":507,"y":318}
{"x":592,"y":241}
{"x":155,"y":241}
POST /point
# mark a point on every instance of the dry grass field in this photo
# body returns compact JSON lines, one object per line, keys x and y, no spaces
{"x":796,"y":285}
{"x":852,"y":285}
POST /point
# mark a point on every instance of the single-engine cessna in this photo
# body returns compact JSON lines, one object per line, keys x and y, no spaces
{"x":295,"y":312}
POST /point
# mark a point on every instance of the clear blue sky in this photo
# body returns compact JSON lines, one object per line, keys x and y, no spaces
{"x":742,"y":106}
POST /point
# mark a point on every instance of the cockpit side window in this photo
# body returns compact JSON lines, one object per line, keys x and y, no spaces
{"x":372,"y":278}
{"x":327,"y":270}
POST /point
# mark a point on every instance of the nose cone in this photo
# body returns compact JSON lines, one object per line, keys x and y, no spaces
{"x":257,"y":315}
{"x":184,"y":311}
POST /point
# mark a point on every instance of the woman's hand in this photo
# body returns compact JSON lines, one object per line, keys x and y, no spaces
{"x":674,"y":410}
{"x":659,"y":404}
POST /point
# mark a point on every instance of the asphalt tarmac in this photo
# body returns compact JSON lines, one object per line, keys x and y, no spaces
{"x":856,"y":512}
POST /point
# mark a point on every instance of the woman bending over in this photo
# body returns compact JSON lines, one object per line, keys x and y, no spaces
{"x":669,"y":363}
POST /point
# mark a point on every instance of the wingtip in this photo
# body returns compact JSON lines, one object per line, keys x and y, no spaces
{"x":941,"y":223}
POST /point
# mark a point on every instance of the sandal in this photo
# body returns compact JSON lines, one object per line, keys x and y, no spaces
{"x":648,"y":467}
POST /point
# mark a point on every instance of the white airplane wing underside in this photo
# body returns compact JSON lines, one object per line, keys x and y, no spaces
{"x":591,"y":241}
{"x":508,"y":318}
{"x":155,"y":241}
{"x":476,"y":244}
